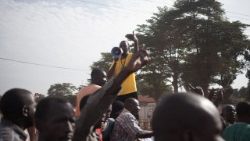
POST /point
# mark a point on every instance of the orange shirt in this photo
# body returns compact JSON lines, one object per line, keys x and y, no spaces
{"x":88,"y":90}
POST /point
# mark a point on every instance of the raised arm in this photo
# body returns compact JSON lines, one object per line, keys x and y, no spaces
{"x":100,"y":101}
{"x":111,"y":71}
{"x":133,"y":38}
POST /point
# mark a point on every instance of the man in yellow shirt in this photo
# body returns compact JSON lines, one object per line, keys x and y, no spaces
{"x":128,"y":87}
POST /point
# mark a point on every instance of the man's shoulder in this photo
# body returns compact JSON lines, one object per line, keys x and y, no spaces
{"x":130,"y":55}
{"x":237,"y":130}
{"x":6,"y":126}
{"x":7,"y":133}
{"x":126,"y":115}
{"x":238,"y":125}
{"x":91,"y":86}
{"x":89,"y":89}
{"x":11,"y":132}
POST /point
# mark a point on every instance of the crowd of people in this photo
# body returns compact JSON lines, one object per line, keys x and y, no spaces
{"x":108,"y":110}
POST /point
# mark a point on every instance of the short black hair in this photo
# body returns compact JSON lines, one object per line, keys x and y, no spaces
{"x":12,"y":103}
{"x":243,"y":109}
{"x":95,"y":73}
{"x":129,"y":102}
{"x":123,"y":42}
{"x":117,"y":108}
{"x":45,"y":105}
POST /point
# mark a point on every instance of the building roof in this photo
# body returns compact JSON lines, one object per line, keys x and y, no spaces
{"x":146,"y":99}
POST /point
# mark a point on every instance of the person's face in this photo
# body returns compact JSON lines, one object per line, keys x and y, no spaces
{"x":124,"y":47}
{"x":60,"y":124}
{"x":29,"y":110}
{"x":230,"y":114}
{"x":135,"y":108}
{"x":106,"y":115}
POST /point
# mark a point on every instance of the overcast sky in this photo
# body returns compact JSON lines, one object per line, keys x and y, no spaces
{"x":53,"y":41}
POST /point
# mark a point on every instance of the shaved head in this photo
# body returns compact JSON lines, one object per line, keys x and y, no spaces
{"x":186,"y":117}
{"x":229,"y":113}
{"x":132,"y":105}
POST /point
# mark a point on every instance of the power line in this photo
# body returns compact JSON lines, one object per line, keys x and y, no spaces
{"x":38,"y":64}
{"x":237,"y":13}
{"x":238,"y":17}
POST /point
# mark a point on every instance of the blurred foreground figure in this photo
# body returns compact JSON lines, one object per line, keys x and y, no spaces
{"x":54,"y":119}
{"x":239,"y":131}
{"x":18,"y":107}
{"x":229,"y":114}
{"x":186,"y":117}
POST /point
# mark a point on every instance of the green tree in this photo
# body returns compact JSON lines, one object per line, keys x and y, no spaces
{"x":104,"y":63}
{"x":248,"y":85}
{"x":158,"y":37}
{"x":247,"y":57}
{"x":39,"y":97}
{"x":191,"y":43}
{"x":194,"y":43}
{"x":62,"y":89}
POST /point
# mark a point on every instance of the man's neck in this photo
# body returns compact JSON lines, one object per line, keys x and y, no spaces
{"x":124,"y":55}
{"x":17,"y":122}
{"x":96,"y":83}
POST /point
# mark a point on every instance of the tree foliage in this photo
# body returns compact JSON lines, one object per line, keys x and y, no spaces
{"x":104,"y":63}
{"x":193,"y":43}
{"x":62,"y":89}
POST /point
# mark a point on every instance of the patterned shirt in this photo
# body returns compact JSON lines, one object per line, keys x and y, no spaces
{"x":126,"y":127}
{"x":11,"y":132}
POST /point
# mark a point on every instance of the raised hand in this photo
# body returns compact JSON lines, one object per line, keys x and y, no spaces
{"x":132,"y":37}
{"x":138,"y":60}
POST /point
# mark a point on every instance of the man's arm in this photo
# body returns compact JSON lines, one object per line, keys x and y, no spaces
{"x":136,"y":42}
{"x":145,"y":134}
{"x":133,"y":38}
{"x":111,"y":71}
{"x":100,"y":101}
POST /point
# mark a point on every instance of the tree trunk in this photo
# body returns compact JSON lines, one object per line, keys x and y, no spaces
{"x":175,"y":82}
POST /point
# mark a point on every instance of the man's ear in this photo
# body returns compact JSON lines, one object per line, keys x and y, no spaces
{"x":25,"y":111}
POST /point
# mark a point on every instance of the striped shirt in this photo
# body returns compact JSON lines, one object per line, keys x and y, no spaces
{"x":126,"y":127}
